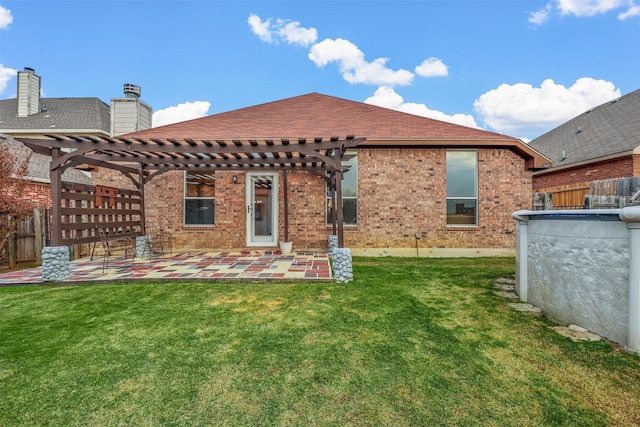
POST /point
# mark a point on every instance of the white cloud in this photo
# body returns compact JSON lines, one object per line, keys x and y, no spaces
{"x":282,"y":30}
{"x":589,"y":7}
{"x":353,"y":66}
{"x":633,"y":11}
{"x":180,"y":113}
{"x":541,"y":16}
{"x":524,"y":111}
{"x":386,"y":97}
{"x":432,"y":67}
{"x":6,"y":74}
{"x":583,"y":8}
{"x":5,"y":18}
{"x":260,"y":28}
{"x":293,"y":33}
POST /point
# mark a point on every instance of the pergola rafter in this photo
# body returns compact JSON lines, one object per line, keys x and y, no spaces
{"x":141,"y":159}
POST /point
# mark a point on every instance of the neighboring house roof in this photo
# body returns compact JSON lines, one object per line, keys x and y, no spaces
{"x":77,"y":115}
{"x":57,"y":115}
{"x":607,"y":131}
{"x":38,"y":167}
{"x":316,"y":115}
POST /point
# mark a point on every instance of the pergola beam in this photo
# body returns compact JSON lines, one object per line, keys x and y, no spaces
{"x":154,"y":156}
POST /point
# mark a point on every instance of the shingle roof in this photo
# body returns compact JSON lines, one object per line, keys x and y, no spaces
{"x":317,"y":115}
{"x":57,"y":114}
{"x":609,"y":129}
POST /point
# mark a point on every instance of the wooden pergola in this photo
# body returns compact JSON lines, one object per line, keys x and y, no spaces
{"x":142,"y":159}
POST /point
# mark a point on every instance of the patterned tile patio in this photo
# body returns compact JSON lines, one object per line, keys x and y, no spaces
{"x":245,"y":265}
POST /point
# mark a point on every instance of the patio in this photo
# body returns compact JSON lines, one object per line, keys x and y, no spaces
{"x":252,"y":265}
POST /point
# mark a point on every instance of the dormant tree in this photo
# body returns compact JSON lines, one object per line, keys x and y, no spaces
{"x":14,"y":204}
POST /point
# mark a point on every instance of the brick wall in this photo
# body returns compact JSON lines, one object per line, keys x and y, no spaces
{"x":40,"y":194}
{"x":623,"y":167}
{"x":401,"y":192}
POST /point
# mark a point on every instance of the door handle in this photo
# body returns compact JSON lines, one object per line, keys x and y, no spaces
{"x":248,"y":209}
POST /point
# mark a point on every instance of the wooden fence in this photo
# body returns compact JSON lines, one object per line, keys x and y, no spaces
{"x":605,"y":194}
{"x":24,"y":246}
{"x":85,"y":208}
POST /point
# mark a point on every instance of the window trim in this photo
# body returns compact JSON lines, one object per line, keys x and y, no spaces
{"x":475,"y":198}
{"x":184,"y":205}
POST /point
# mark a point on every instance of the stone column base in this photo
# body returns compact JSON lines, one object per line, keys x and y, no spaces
{"x":342,"y":265}
{"x":333,"y":244}
{"x":56,"y":265}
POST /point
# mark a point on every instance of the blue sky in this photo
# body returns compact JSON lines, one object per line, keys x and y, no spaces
{"x":519,"y":67}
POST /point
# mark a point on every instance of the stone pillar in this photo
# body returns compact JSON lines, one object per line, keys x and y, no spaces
{"x":342,"y":265}
{"x":631,"y":216}
{"x":522,"y":255}
{"x":333,"y":244}
{"x":55,"y":263}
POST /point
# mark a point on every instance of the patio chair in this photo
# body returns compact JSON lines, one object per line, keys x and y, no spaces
{"x":157,"y":240}
{"x":114,"y":246}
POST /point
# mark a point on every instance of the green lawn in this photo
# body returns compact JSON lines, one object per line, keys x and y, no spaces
{"x":408,"y":342}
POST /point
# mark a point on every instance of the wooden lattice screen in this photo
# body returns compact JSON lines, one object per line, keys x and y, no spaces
{"x":85,"y":208}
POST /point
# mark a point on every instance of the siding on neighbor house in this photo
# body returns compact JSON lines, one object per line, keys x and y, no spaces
{"x":622,"y":167}
{"x":401,"y":192}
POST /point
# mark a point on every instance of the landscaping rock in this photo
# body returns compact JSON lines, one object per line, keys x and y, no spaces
{"x":509,"y":295}
{"x":576,"y":333}
{"x":526,"y":308}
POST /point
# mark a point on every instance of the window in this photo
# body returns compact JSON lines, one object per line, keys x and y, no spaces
{"x":199,"y":198}
{"x":462,"y":188}
{"x":349,"y":192}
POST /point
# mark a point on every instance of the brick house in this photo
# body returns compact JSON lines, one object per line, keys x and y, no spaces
{"x":31,"y":116}
{"x":415,"y":186}
{"x":601,"y":143}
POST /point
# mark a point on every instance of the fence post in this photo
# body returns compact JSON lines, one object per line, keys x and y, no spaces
{"x":37,"y":231}
{"x":11,"y":243}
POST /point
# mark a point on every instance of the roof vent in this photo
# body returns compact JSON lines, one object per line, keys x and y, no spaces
{"x":131,"y":91}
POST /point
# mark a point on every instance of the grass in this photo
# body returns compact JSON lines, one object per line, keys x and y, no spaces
{"x":409,"y":342}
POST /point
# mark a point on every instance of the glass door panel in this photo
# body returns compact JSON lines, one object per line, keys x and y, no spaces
{"x":261,"y":209}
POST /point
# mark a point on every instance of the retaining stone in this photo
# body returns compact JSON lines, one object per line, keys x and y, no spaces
{"x":56,"y":264}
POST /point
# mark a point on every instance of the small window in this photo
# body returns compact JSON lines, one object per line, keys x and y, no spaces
{"x":199,"y":198}
{"x":462,"y":188}
{"x":349,"y":192}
